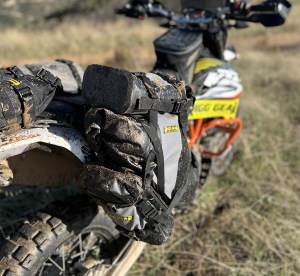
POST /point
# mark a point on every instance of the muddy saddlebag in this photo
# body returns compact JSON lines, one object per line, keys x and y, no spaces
{"x":23,"y":97}
{"x":70,"y":73}
{"x":137,"y":127}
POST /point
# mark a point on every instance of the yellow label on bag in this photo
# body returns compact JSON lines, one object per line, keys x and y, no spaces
{"x":171,"y":129}
{"x":129,"y":218}
{"x":204,"y":109}
{"x":14,"y":82}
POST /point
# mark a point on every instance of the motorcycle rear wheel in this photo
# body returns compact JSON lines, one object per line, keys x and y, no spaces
{"x":220,"y":164}
{"x":69,"y":241}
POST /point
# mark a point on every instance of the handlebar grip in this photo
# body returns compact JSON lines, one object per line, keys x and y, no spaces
{"x":136,"y":11}
{"x":120,"y":11}
{"x":263,"y":8}
{"x":142,"y":8}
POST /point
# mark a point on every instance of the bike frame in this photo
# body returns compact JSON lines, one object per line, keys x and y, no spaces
{"x":199,"y":128}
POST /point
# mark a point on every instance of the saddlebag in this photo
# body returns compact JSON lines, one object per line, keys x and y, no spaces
{"x":70,"y":73}
{"x":23,"y":97}
{"x":137,"y":127}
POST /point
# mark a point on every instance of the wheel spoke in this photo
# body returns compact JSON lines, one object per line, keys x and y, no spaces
{"x":41,"y":271}
{"x":74,"y":244}
{"x":56,"y":264}
{"x":79,"y":255}
{"x":80,"y":247}
{"x":63,"y":260}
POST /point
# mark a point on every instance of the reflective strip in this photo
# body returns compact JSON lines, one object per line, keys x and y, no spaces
{"x":172,"y":147}
{"x":205,"y":63}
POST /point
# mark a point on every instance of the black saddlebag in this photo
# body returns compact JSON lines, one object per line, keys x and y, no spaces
{"x":23,"y":97}
{"x":137,"y":128}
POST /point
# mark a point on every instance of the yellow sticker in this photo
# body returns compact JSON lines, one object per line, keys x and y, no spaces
{"x":171,"y":129}
{"x":204,"y":109}
{"x":129,"y":218}
{"x":14,"y":82}
{"x":205,"y":63}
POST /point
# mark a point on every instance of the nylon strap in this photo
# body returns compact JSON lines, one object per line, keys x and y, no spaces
{"x":151,"y":131}
{"x":26,"y":97}
{"x":162,"y":105}
{"x":148,"y":178}
{"x":16,"y":71}
{"x":180,"y":192}
{"x":178,"y":196}
{"x":74,"y":71}
{"x":48,"y":77}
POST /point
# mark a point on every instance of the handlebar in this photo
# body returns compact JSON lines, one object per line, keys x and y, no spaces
{"x":269,"y":13}
{"x":139,"y":10}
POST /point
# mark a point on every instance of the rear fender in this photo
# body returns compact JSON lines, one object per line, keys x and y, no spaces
{"x":42,"y":156}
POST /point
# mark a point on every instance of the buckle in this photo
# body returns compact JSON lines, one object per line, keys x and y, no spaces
{"x":179,"y":106}
{"x":25,"y":93}
{"x":48,"y":77}
{"x":147,"y":209}
{"x":16,"y":71}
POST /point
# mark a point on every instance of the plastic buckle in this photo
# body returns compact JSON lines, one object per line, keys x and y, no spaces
{"x":177,"y":107}
{"x":16,"y":71}
{"x":147,"y":209}
{"x":111,"y":207}
{"x":180,"y":105}
{"x":48,"y":77}
{"x":25,"y":93}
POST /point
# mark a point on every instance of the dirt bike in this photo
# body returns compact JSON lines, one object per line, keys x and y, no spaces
{"x":74,"y":236}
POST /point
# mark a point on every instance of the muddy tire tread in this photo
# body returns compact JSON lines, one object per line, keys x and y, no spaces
{"x":19,"y":255}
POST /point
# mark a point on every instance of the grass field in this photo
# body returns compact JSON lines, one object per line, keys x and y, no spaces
{"x":247,"y":222}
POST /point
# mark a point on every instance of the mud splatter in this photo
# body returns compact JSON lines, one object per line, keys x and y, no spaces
{"x":6,"y":174}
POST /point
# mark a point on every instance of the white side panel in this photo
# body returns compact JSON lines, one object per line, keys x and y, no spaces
{"x":70,"y":139}
{"x":221,"y":84}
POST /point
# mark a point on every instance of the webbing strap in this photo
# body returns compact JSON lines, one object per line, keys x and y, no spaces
{"x":74,"y":71}
{"x":151,"y":130}
{"x":148,"y":177}
{"x":162,"y":105}
{"x":181,"y":190}
{"x":16,"y":71}
{"x":184,"y":123}
{"x":177,"y":197}
{"x":48,"y":77}
{"x":26,"y":97}
{"x":157,"y":104}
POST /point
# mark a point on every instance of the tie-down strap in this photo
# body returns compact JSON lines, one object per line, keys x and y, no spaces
{"x":155,"y":103}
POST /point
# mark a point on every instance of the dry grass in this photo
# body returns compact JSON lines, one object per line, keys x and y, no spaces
{"x":116,"y":44}
{"x":247,"y":222}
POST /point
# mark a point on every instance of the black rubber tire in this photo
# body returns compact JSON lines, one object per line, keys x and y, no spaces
{"x":219,"y":170}
{"x":38,"y":238}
